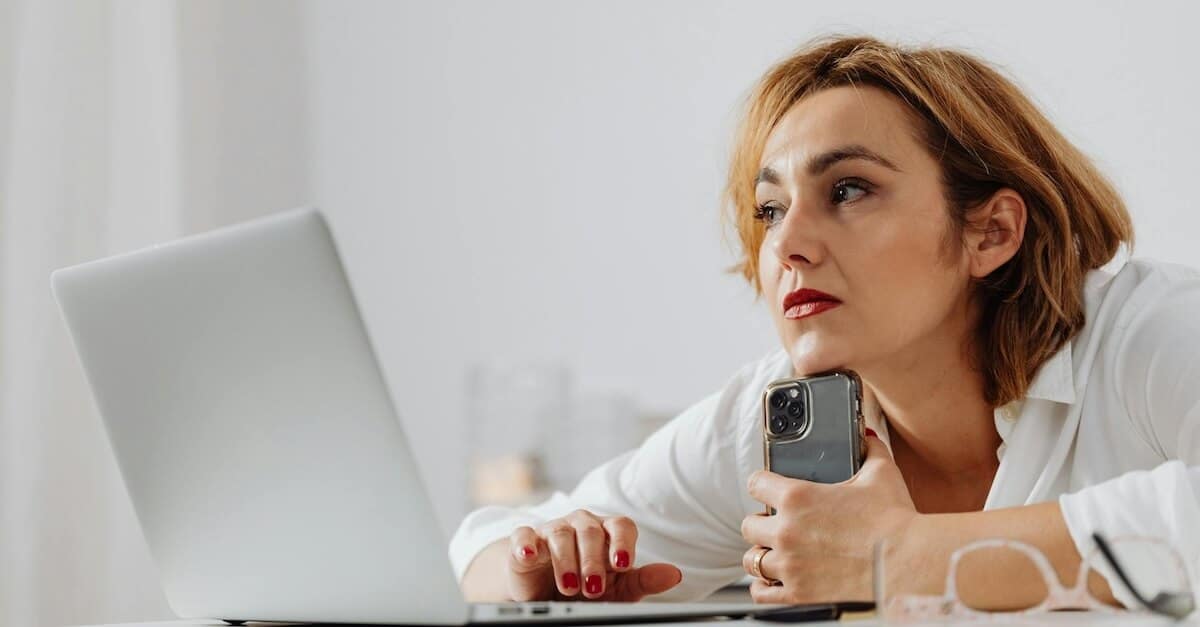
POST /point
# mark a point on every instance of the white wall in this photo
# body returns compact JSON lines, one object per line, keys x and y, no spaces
{"x":540,"y":180}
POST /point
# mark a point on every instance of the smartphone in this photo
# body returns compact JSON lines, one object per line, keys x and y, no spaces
{"x":813,"y":427}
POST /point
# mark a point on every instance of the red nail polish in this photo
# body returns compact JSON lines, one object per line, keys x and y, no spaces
{"x":570,"y":581}
{"x":871,"y":433}
{"x":622,"y":559}
{"x":593,"y":584}
{"x":527,"y":552}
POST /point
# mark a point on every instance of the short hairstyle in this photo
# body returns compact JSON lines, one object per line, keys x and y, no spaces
{"x":985,"y":135}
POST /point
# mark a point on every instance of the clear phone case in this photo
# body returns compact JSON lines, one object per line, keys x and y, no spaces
{"x":821,"y":441}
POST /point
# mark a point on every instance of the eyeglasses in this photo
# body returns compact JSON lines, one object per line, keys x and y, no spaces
{"x":974,"y":588}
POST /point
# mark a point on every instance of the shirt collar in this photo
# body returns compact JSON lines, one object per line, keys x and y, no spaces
{"x":1055,"y":380}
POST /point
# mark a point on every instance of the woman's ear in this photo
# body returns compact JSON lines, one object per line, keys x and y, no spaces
{"x":994,"y":231}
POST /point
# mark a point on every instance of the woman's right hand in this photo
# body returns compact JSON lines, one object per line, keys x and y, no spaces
{"x":582,"y":554}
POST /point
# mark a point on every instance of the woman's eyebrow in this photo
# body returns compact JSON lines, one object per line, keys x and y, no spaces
{"x":825,"y":160}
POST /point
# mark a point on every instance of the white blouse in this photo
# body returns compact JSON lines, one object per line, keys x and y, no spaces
{"x":1110,"y":426}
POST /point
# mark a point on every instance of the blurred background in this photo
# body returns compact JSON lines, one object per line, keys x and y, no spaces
{"x":526,"y":195}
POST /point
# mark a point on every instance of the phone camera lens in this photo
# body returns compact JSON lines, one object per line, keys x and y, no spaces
{"x":779,"y":399}
{"x":779,"y":424}
{"x":795,"y":408}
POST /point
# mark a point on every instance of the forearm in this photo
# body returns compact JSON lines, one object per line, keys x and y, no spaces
{"x":917,"y":559}
{"x":484,"y":578}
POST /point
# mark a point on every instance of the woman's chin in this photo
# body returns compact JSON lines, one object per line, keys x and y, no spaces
{"x":808,"y":360}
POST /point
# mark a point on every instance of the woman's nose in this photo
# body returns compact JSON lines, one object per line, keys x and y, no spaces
{"x":797,"y":240}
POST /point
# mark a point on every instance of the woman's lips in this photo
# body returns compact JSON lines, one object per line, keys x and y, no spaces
{"x":809,"y":308}
{"x":806,"y":302}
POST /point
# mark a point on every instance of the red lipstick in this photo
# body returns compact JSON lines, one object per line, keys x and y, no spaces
{"x":806,"y":302}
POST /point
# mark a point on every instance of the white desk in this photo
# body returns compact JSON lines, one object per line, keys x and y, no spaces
{"x":708,"y":623}
{"x":1058,"y":619}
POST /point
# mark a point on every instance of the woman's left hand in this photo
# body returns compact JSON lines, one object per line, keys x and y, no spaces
{"x":823,"y":535}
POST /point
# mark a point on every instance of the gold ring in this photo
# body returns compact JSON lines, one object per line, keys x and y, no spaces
{"x":756,"y":567}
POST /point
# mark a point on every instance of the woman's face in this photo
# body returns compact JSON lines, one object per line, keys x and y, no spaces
{"x":854,"y":208}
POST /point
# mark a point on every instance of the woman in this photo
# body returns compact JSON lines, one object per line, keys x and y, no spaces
{"x":1016,"y":390}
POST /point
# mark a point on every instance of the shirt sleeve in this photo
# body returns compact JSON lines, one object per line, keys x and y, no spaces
{"x":1158,"y":378}
{"x":684,"y":488}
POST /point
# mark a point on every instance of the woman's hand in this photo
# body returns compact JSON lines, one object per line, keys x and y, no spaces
{"x":822,"y":536}
{"x":582,"y":554}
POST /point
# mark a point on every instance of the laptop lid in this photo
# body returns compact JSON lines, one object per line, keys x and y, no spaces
{"x":254,"y":432}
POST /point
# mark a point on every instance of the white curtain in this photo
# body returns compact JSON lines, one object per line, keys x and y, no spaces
{"x":122,"y":123}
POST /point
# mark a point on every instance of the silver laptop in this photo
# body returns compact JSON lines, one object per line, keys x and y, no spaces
{"x":258,"y":442}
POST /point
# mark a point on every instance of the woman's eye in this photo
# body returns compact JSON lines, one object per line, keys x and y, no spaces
{"x":768,"y":214}
{"x":848,"y":190}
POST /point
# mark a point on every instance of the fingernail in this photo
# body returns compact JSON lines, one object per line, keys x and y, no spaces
{"x":593,"y":584}
{"x":570,"y":581}
{"x":527,"y":552}
{"x":622,"y":559}
{"x":871,"y":433}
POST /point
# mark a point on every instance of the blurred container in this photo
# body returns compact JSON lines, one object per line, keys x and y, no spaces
{"x":531,"y":433}
{"x":509,"y":410}
{"x":599,"y":427}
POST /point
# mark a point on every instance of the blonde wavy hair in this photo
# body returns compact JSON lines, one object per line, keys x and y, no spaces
{"x":986,"y":135}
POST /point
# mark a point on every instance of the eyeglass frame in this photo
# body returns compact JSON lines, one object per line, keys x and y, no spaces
{"x":1058,"y":597}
